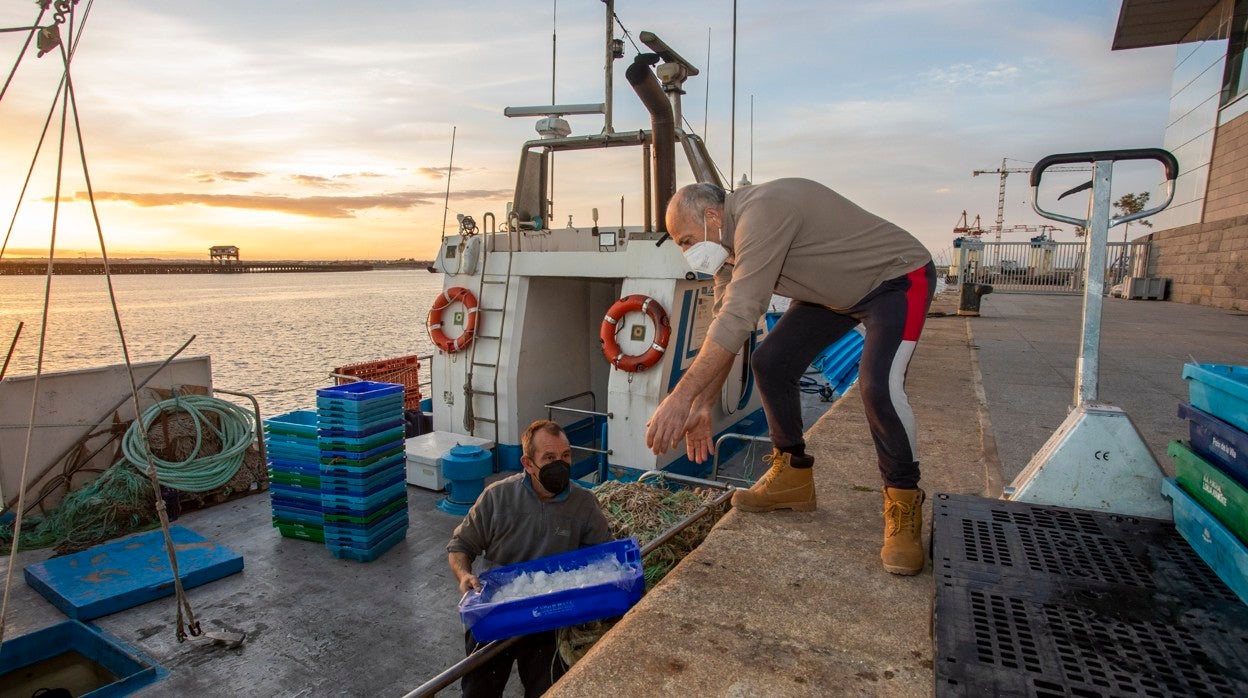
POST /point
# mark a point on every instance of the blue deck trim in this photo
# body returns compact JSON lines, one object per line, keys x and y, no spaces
{"x":133,"y":669}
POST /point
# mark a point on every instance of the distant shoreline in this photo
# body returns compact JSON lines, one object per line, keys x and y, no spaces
{"x":88,"y":268}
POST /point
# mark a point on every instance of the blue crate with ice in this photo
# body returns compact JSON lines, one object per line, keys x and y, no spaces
{"x":1220,"y":390}
{"x":602,"y":581}
{"x":1219,"y":443}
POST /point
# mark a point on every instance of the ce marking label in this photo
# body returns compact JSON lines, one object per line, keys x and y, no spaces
{"x":1102,"y":456}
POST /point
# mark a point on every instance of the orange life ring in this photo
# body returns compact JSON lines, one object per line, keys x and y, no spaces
{"x":610,"y":323}
{"x":450,"y":295}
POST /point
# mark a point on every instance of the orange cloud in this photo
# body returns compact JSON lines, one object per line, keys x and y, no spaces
{"x":227,"y":175}
{"x":436,"y":172}
{"x":312,"y":206}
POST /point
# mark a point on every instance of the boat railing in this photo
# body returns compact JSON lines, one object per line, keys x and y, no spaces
{"x":603,"y":450}
{"x":715,"y":462}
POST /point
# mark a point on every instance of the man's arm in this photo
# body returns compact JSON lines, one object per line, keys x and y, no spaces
{"x":461,"y":567}
{"x":675,"y":416}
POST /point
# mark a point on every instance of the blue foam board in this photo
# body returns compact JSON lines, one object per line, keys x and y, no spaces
{"x":124,"y":573}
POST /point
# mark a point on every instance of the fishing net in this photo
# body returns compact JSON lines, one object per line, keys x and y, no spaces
{"x":643,"y":511}
{"x":120,"y":501}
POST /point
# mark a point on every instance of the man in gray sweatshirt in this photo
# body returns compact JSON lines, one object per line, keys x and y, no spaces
{"x":535,"y":513}
{"x":841,"y":266}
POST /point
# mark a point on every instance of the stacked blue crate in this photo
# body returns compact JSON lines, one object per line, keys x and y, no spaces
{"x":363,"y":468}
{"x":290,"y":442}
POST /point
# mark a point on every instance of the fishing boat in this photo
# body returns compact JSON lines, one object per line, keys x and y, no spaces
{"x":588,"y":325}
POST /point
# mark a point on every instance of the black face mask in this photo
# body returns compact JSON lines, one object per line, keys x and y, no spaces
{"x":555,"y":476}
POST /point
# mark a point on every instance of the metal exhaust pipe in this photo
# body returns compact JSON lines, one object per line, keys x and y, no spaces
{"x":662,"y":129}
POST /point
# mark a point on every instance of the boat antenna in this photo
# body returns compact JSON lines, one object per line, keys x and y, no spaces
{"x":450,"y":166}
{"x":732,"y":139}
{"x":752,"y":174}
{"x":554,"y":24}
{"x":706,"y":104}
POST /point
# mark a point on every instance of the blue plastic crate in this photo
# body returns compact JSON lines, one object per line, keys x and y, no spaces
{"x":296,"y":467}
{"x":309,"y":452}
{"x":369,"y":554}
{"x":339,"y":458}
{"x":300,"y":423}
{"x":328,"y":411}
{"x":1225,"y":554}
{"x":360,"y":391}
{"x":1219,"y":443}
{"x":297,"y":516}
{"x":289,"y":494}
{"x":362,"y":488}
{"x":1220,"y":390}
{"x":370,"y":456}
{"x":495,"y":621}
{"x":361,"y":443}
{"x":330,"y":427}
{"x":355,"y":472}
{"x":366,"y":536}
{"x":362,"y":506}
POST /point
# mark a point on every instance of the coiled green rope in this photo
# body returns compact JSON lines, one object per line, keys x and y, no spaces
{"x":196,"y":473}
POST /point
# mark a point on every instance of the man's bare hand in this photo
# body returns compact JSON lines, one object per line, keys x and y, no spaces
{"x":469,"y":581}
{"x":699,"y":444}
{"x":667,"y":426}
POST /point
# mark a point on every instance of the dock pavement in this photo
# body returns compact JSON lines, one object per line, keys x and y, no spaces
{"x":797,"y":604}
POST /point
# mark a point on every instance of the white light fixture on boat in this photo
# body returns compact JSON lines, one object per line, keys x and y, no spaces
{"x":553,"y":127}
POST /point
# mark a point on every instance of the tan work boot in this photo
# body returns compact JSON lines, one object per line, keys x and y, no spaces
{"x":781,"y":487}
{"x":903,"y":531}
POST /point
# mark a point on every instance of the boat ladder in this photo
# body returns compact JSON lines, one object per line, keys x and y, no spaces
{"x":493,"y":291}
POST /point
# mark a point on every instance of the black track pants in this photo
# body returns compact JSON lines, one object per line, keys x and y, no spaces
{"x":892,"y":316}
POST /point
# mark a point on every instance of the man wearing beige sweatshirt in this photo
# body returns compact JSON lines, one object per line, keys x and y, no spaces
{"x":841,"y":266}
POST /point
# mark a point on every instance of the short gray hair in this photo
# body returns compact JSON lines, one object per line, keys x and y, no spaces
{"x":692,"y":200}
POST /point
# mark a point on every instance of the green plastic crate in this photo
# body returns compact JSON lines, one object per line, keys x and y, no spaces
{"x":301,"y":531}
{"x":285,"y":478}
{"x":1217,"y":492}
{"x":379,"y":514}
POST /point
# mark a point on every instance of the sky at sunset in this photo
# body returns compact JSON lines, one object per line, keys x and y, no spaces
{"x":323,"y":130}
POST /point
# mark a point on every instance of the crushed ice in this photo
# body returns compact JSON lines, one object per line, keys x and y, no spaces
{"x":603,"y":571}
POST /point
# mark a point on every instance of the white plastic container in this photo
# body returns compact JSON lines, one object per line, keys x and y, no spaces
{"x":424,"y":456}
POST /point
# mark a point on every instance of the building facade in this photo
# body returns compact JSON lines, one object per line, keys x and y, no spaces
{"x":1200,"y":242}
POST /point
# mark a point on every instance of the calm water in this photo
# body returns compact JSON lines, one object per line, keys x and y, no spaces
{"x":276,"y":336}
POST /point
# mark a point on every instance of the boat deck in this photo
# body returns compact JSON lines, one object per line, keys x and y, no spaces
{"x":783,"y":604}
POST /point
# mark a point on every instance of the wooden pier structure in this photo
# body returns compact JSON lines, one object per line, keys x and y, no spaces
{"x":39,"y":268}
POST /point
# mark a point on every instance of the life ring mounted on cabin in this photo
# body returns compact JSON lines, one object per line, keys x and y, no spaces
{"x":451,"y":295}
{"x":633,"y":363}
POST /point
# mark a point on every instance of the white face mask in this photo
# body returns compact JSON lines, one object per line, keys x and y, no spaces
{"x":706,"y":257}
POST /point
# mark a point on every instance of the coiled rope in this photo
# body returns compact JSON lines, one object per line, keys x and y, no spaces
{"x":195,"y":473}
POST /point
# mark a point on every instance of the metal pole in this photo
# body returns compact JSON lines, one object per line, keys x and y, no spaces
{"x":610,"y":67}
{"x":12,"y":348}
{"x":1094,"y":284}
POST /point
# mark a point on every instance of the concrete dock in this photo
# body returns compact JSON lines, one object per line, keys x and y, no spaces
{"x":797,"y":604}
{"x":779,"y":604}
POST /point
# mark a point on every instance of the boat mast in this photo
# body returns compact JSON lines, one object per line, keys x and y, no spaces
{"x":609,"y":68}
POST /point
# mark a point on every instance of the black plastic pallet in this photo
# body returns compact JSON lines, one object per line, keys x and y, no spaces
{"x":1047,"y":601}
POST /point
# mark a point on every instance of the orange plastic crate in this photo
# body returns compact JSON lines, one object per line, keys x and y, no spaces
{"x":404,"y":370}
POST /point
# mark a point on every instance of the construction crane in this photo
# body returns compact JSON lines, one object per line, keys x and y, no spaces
{"x":964,"y":228}
{"x":1005,"y":172}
